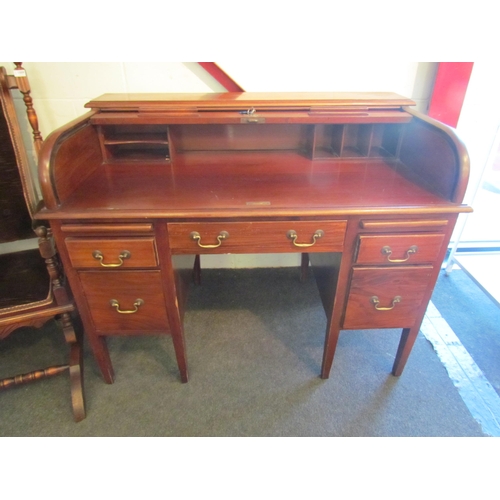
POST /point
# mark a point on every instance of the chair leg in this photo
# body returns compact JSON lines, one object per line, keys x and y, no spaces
{"x":33,"y":376}
{"x":74,"y":340}
{"x":75,"y":368}
{"x":76,"y":381}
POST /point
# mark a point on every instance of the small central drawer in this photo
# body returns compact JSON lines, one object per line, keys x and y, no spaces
{"x":256,"y":237}
{"x":125,"y":302}
{"x":108,"y":253}
{"x":399,"y":248}
{"x":386,"y":298}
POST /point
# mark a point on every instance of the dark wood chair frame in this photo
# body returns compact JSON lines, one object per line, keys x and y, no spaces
{"x":58,"y":303}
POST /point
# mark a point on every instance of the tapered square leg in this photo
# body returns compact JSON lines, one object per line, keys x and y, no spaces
{"x":408,"y":338}
{"x":331,"y":340}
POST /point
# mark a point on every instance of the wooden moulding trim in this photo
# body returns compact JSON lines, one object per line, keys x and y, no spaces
{"x":269,"y":101}
{"x":166,"y":117}
{"x":106,"y":228}
{"x":372,"y":224}
{"x":186,"y":214}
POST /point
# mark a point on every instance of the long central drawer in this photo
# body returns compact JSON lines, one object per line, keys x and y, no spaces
{"x":256,"y":237}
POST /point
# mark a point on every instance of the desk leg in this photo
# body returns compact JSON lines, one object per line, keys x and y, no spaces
{"x":331,"y":340}
{"x":408,"y":338}
{"x":177,"y":272}
{"x":304,"y":267}
{"x":180,"y":354}
{"x":101,"y":354}
{"x":197,"y":270}
{"x":329,"y":273}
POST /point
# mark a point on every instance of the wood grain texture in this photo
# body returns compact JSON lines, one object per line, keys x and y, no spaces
{"x":256,"y":237}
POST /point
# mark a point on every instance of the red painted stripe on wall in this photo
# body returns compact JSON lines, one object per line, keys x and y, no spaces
{"x":221,"y":76}
{"x":449,"y":91}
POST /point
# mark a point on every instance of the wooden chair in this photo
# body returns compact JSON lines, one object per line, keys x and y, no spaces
{"x":32,"y":287}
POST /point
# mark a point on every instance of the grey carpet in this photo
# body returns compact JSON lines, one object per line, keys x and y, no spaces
{"x":254,"y":341}
{"x":474,"y":318}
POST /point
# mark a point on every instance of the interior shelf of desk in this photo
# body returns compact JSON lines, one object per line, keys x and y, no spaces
{"x":132,"y":143}
{"x":121,"y":142}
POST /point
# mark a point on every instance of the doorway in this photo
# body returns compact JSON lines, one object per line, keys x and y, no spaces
{"x":476,"y":247}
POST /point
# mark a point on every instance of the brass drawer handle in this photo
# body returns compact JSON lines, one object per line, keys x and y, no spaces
{"x":195,"y":235}
{"x":97,"y":254}
{"x":292,"y":235}
{"x":387,"y":251}
{"x":138,"y":303}
{"x":376,"y":302}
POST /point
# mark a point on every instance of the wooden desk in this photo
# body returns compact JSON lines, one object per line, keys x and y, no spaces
{"x":141,"y":184}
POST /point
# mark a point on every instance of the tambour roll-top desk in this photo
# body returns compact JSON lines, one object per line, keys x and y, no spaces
{"x":364,"y":185}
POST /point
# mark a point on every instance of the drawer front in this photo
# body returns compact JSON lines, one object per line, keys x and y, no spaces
{"x":399,"y":248}
{"x":385,"y":297}
{"x":256,"y":237}
{"x":137,"y":296}
{"x":112,"y":253}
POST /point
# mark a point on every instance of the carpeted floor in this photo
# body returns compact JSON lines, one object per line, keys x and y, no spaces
{"x":475,"y":318}
{"x":254,"y":341}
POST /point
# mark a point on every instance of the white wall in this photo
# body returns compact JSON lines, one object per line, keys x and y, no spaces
{"x":60,"y":90}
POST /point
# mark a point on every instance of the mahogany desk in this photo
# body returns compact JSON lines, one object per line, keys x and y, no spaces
{"x":140,"y":185}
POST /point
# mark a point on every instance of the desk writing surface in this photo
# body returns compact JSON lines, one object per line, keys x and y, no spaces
{"x":208,"y":185}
